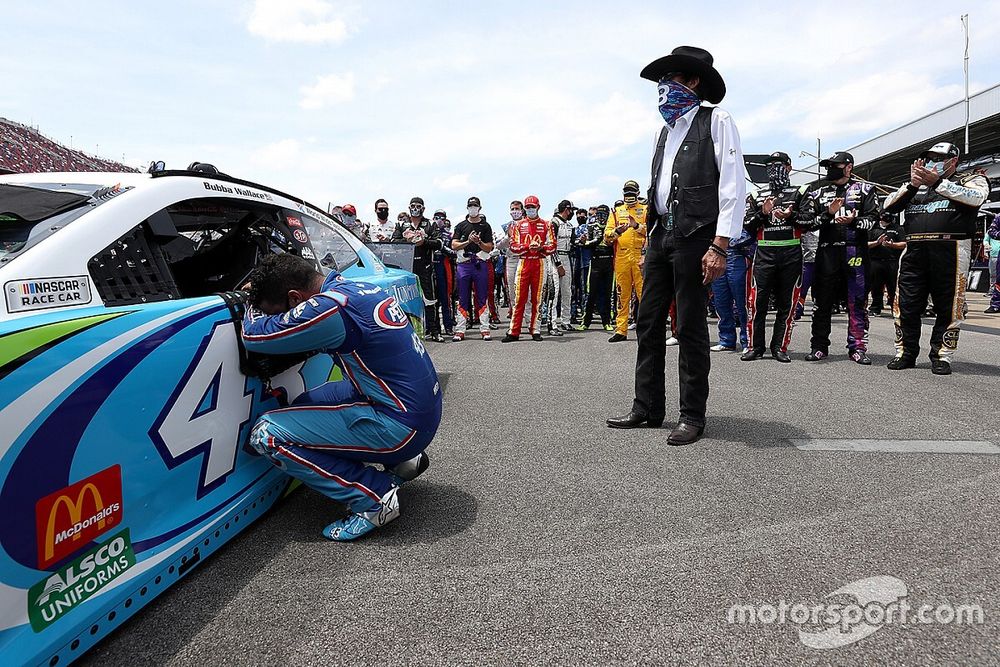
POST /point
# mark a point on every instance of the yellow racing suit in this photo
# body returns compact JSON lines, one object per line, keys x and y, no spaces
{"x":628,"y":254}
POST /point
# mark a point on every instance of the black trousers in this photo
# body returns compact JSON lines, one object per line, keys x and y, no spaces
{"x":841,"y":269}
{"x":599,"y":295}
{"x":777,"y":270}
{"x":672,"y":271}
{"x":882,"y":277}
{"x":425,"y":272}
{"x":937,"y":269}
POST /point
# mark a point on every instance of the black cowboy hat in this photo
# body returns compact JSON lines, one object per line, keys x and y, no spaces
{"x":689,"y":60}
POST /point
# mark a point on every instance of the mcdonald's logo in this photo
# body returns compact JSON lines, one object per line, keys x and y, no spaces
{"x":67,"y":520}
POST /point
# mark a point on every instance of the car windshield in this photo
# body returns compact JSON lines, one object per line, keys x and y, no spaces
{"x":30,"y":212}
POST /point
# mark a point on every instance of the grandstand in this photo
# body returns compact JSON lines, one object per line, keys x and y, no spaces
{"x":23,"y":149}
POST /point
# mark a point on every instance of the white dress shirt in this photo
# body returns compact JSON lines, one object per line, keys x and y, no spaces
{"x":729,"y":160}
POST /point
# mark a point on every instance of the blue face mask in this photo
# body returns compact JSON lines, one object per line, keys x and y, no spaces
{"x":676,"y":99}
{"x":936,"y":167}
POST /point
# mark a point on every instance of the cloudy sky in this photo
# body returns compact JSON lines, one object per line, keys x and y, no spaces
{"x":345,"y":102}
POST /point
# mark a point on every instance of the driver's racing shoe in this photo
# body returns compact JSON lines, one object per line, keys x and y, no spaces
{"x":899,"y":363}
{"x":940,"y":367}
{"x":410,"y":469}
{"x":362,"y":523}
{"x":860,"y":357}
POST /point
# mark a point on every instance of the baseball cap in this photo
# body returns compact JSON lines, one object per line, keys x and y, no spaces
{"x":349,"y":209}
{"x":417,"y":200}
{"x":942,"y":148}
{"x":531,"y":200}
{"x":564,"y":204}
{"x":631,"y":186}
{"x":440,"y":212}
{"x":473,"y":201}
{"x":779,"y":156}
{"x":840,"y":157}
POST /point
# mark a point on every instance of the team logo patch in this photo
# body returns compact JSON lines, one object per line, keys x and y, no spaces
{"x":67,"y":520}
{"x":389,"y":315}
{"x":300,"y":236}
{"x":950,"y":339}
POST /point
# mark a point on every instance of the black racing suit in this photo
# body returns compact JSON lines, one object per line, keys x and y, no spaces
{"x":883,"y":264}
{"x":602,"y":272}
{"x":841,"y":258}
{"x":939,"y":223}
{"x":423,"y":265}
{"x":777,"y":266}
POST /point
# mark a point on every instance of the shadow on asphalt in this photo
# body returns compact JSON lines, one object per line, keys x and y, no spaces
{"x":429,"y":513}
{"x":756,"y":433}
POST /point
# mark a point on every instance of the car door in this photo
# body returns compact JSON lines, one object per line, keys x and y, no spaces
{"x":123,"y":452}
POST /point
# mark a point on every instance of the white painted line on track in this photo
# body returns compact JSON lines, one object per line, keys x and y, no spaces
{"x":897,"y":446}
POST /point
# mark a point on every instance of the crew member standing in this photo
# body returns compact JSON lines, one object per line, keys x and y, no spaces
{"x":426,"y":237}
{"x":564,"y":229}
{"x":844,"y":209}
{"x":777,"y":264}
{"x":626,"y":231}
{"x":884,"y":248}
{"x":696,"y":200}
{"x":940,"y":220}
{"x":473,"y":243}
{"x":532,"y":240}
{"x":601,"y":275}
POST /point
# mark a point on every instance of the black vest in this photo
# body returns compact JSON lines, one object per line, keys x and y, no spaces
{"x":695,"y":188}
{"x":930,"y":215}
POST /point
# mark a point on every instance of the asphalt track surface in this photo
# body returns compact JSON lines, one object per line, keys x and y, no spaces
{"x":541,"y":536}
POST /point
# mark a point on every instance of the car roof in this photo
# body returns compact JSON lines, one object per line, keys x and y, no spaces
{"x":145,"y":181}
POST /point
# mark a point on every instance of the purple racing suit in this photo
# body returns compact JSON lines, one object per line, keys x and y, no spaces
{"x":386,"y":411}
{"x":842,"y":257}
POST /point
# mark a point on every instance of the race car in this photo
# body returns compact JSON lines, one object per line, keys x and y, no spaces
{"x":124,"y":405}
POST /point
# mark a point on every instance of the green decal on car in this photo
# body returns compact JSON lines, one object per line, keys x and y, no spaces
{"x":20,"y":343}
{"x":70,"y":586}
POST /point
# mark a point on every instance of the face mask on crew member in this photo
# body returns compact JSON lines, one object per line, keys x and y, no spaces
{"x":936,"y":167}
{"x":516,"y":214}
{"x":416,"y":210}
{"x":630,"y":198}
{"x":675,"y":100}
{"x":473,"y":211}
{"x":777,"y":175}
{"x":382,"y":213}
{"x":531,"y":211}
{"x":834,"y":173}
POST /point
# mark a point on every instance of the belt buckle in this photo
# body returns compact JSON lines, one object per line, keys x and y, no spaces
{"x":668,"y":222}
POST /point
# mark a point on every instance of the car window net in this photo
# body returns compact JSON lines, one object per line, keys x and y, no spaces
{"x":132,"y":270}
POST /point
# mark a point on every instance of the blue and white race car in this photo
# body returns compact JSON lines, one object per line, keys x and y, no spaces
{"x":124,"y":411}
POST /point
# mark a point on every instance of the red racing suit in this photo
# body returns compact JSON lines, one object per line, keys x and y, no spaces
{"x":531,"y":240}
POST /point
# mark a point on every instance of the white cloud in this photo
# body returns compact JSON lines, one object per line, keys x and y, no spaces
{"x":329,"y":90}
{"x":309,"y":21}
{"x":583,"y":196}
{"x":280,"y":154}
{"x":453,"y":182}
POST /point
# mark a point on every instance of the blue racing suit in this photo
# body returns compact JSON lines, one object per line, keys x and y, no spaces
{"x":386,"y":411}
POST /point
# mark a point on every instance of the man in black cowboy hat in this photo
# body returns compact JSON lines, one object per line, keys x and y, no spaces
{"x":940,"y":212}
{"x":696,"y":204}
